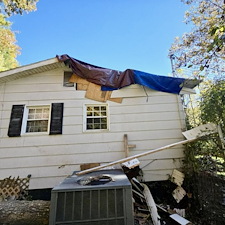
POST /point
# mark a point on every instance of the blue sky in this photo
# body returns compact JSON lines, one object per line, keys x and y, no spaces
{"x":116,"y":34}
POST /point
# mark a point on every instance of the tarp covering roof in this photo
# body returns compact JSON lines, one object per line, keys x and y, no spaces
{"x":110,"y":79}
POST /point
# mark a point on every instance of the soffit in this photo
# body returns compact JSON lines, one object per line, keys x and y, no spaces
{"x":30,"y":69}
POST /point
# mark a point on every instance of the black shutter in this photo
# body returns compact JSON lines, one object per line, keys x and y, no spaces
{"x":16,"y":120}
{"x":56,"y":118}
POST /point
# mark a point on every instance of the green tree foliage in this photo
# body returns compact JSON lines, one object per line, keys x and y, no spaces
{"x":208,"y":154}
{"x":8,"y":47}
{"x":202,"y":50}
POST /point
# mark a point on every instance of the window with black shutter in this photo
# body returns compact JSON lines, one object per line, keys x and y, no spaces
{"x":56,"y":118}
{"x":37,"y":119}
{"x":16,"y":120}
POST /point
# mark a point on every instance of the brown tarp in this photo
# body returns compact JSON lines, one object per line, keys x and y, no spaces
{"x":98,"y":75}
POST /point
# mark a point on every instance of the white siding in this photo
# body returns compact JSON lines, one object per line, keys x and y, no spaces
{"x":150,"y":121}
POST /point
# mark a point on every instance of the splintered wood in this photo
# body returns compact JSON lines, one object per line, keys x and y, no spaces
{"x":14,"y":188}
{"x":93,"y":91}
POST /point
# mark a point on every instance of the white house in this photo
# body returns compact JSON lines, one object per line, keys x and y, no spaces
{"x":50,"y":126}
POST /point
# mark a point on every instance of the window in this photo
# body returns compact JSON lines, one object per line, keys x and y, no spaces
{"x":66,"y":78}
{"x":96,"y":117}
{"x":38,"y":119}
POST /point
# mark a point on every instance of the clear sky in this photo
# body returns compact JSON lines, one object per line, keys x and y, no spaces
{"x":115,"y":34}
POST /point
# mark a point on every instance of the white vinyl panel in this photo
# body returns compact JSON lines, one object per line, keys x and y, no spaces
{"x":37,"y":96}
{"x":90,"y":137}
{"x":72,"y":120}
{"x":146,"y":101}
{"x":58,"y":160}
{"x":146,"y":145}
{"x":47,"y":182}
{"x":51,"y":150}
{"x":160,"y":164}
{"x":127,"y":109}
{"x":173,"y":153}
{"x":145,"y":126}
{"x":157,"y":175}
{"x":22,"y":88}
{"x":161,"y":116}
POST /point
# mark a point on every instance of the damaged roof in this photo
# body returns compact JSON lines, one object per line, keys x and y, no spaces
{"x":108,"y":79}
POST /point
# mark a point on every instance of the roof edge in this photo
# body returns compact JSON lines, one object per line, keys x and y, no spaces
{"x":28,"y":67}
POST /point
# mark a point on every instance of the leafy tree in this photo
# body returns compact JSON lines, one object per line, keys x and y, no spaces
{"x":202,"y":49}
{"x":8,"y":47}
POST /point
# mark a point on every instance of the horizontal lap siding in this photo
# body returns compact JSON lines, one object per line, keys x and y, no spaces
{"x":150,"y":121}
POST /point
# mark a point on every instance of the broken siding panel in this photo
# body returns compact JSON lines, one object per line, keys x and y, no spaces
{"x":157,"y":175}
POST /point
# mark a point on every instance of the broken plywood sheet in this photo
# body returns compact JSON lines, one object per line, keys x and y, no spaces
{"x":94,"y":92}
{"x":179,"y":194}
{"x":76,"y":79}
{"x":177,"y":177}
{"x":82,"y":87}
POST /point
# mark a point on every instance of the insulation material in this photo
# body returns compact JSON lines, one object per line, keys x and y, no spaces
{"x":177,"y":177}
{"x":178,"y":194}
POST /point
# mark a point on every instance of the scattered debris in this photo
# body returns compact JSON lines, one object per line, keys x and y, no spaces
{"x":177,"y":177}
{"x":178,"y":194}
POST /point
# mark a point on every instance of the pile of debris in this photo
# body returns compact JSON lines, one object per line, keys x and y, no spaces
{"x":146,"y":211}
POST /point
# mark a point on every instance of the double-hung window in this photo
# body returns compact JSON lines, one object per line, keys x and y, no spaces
{"x":38,"y":119}
{"x":96,"y":117}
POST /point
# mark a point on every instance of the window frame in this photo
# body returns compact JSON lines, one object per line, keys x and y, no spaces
{"x":85,"y":118}
{"x":66,"y":77}
{"x":25,"y":119}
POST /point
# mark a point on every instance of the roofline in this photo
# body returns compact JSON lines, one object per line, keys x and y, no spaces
{"x":28,"y":67}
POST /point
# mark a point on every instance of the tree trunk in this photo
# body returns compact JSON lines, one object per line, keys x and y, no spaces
{"x":24,"y":212}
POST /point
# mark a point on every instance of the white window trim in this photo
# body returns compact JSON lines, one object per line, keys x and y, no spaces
{"x":25,"y":118}
{"x":85,"y":118}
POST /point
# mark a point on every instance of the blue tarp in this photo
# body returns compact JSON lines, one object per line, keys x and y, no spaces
{"x":155,"y":82}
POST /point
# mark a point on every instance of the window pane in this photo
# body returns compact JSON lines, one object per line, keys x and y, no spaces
{"x":96,"y":113}
{"x":96,"y":117}
{"x":89,"y":113}
{"x":31,"y":116}
{"x":104,"y":126}
{"x":89,"y":108}
{"x":38,"y":110}
{"x":103,"y":113}
{"x":104,"y":120}
{"x":38,"y":116}
{"x":97,"y":120}
{"x":97,"y":126}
